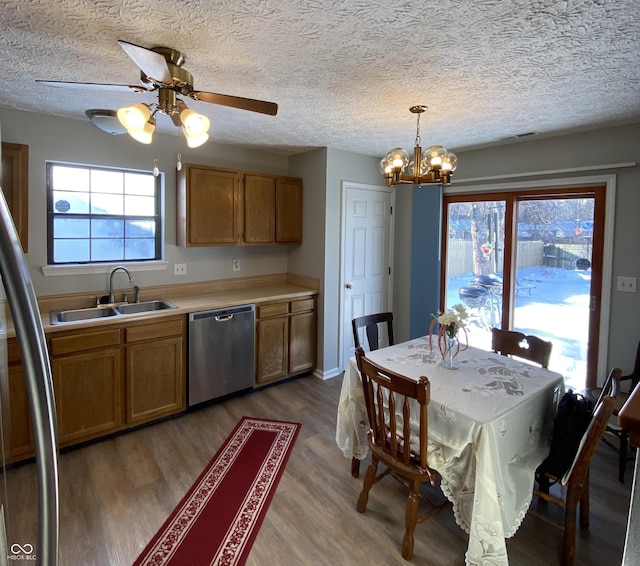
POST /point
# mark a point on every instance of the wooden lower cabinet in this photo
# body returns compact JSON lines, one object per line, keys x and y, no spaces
{"x":104,"y":381}
{"x":272,"y":351}
{"x":21,"y":437}
{"x":88,"y":392}
{"x":302,"y":342}
{"x":285,"y":339}
{"x":154,"y":369}
{"x":87,"y":383}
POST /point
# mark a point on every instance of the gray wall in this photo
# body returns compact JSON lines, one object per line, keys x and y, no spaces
{"x":309,"y":259}
{"x":341,"y":166}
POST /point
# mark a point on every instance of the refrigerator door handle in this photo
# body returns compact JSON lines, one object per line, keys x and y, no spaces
{"x":37,"y":370}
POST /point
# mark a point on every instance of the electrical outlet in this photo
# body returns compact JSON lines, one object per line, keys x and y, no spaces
{"x":179,"y":268}
{"x":627,"y":284}
{"x":236,"y":265}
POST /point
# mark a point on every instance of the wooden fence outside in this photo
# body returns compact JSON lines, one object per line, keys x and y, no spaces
{"x":460,"y":256}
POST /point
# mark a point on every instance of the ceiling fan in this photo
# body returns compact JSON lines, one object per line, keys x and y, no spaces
{"x":161,"y":70}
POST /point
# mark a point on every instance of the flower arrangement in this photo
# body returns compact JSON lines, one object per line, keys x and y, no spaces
{"x":453,"y":320}
{"x":450,"y":323}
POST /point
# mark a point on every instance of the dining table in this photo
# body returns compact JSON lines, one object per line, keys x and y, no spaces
{"x":490,"y":424}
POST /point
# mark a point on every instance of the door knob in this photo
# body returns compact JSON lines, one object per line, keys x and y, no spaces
{"x":349,"y":286}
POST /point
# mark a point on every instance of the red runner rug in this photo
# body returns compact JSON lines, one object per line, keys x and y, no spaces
{"x":218,"y":519}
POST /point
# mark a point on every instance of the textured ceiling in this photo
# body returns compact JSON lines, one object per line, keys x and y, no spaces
{"x":343,"y":72}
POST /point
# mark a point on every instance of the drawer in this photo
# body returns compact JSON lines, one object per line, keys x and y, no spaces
{"x":153,"y":331}
{"x":275,"y":309}
{"x":302,"y":305}
{"x":81,"y":341}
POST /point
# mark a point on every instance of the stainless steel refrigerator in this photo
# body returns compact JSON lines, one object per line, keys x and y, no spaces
{"x":34,"y":540}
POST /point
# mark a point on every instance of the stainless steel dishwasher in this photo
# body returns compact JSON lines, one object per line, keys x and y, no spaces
{"x":221,"y":353}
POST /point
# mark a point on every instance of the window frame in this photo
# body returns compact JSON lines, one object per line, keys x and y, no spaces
{"x":157,"y":217}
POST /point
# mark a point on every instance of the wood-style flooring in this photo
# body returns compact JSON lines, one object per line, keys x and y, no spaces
{"x":116,"y":493}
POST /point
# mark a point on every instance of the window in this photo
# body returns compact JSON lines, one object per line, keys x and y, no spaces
{"x":97,"y":214}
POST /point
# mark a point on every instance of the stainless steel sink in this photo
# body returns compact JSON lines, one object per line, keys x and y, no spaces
{"x":115,"y":310}
{"x":146,"y":306}
{"x":78,"y":315}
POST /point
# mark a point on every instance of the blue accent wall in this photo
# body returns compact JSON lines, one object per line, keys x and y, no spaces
{"x":425,"y":257}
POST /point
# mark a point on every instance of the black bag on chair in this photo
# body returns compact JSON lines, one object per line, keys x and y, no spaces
{"x":571,"y":422}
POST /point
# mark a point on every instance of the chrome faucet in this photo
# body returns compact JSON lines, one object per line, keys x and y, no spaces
{"x":112,"y":298}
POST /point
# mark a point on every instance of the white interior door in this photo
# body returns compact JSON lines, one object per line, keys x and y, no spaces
{"x":366,"y":256}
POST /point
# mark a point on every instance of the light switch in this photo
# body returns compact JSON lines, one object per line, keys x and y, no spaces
{"x":627,"y":284}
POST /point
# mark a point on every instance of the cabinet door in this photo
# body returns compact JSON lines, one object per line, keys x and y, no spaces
{"x":302,"y":346}
{"x":289,"y":211}
{"x":154,"y":377}
{"x":21,"y":443}
{"x":259,"y":205}
{"x":212,"y":207}
{"x":15,"y":186}
{"x":273,"y":349}
{"x":88,"y":394}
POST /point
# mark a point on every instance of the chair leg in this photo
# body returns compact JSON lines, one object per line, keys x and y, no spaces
{"x":369,"y":478}
{"x":569,"y":540}
{"x":355,"y":467}
{"x":584,"y":506}
{"x":411,"y":518}
{"x":622,"y":462}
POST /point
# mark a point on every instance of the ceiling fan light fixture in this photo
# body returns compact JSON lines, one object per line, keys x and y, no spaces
{"x":195,"y":125}
{"x":135,"y":117}
{"x":144,"y":135}
{"x":195,"y":141}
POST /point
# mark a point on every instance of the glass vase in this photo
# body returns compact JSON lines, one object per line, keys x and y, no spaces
{"x":450,"y":351}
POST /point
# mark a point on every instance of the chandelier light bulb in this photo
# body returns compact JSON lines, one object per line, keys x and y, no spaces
{"x":450,"y":163}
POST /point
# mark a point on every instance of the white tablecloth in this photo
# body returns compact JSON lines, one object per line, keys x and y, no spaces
{"x":489,"y":428}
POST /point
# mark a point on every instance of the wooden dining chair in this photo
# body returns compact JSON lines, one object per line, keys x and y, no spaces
{"x":622,"y":434}
{"x":391,"y":399}
{"x":370,"y":323}
{"x":512,"y":343}
{"x":573,"y":487}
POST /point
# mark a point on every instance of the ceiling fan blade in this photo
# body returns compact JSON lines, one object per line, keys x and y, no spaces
{"x":95,"y":86}
{"x":151,"y":63}
{"x":250,"y":104}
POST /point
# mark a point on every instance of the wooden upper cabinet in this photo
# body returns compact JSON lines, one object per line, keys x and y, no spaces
{"x":208,"y":202}
{"x":227,"y":207}
{"x":15,"y":186}
{"x":259,"y":209}
{"x":289,"y":211}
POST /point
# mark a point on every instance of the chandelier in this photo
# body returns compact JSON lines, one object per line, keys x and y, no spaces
{"x":140,"y":121}
{"x":434,"y":165}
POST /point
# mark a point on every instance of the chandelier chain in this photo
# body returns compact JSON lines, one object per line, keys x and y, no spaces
{"x":418,"y":131}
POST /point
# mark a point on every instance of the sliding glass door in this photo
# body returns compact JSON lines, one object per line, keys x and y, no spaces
{"x":530,"y":262}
